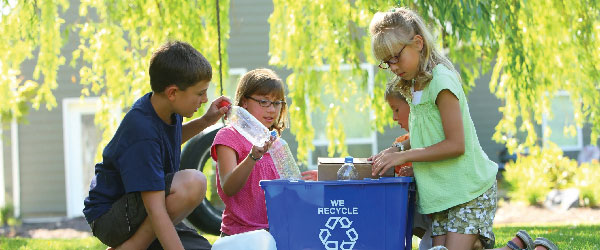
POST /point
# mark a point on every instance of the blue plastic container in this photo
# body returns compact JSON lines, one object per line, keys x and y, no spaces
{"x":355,"y":214}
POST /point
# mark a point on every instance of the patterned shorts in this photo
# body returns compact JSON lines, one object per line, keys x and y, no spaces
{"x":473,"y":217}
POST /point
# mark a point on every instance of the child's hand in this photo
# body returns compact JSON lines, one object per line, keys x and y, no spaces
{"x":387,"y":161}
{"x":310,"y":175}
{"x":217,"y":109}
{"x":385,"y":151}
{"x":258,"y":152}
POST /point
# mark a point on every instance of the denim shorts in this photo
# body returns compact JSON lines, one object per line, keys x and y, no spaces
{"x":124,"y":217}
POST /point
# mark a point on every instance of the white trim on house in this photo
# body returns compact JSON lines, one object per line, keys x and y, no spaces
{"x":579,"y":135}
{"x":16,"y":172}
{"x":73,"y":109}
{"x":372,"y":139}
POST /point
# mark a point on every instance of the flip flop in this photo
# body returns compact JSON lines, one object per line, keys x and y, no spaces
{"x":524,"y":236}
{"x":541,"y":241}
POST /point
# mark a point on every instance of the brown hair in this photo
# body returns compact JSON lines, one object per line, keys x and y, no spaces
{"x":263,"y":82}
{"x":177,"y":62}
{"x":392,"y":91}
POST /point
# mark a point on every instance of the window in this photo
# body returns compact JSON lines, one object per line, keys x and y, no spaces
{"x":562,"y":128}
{"x":361,"y":139}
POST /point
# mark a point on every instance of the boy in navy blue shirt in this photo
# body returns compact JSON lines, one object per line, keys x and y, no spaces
{"x":138,"y":192}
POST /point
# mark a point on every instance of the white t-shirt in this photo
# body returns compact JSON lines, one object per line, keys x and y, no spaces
{"x":416,"y":95}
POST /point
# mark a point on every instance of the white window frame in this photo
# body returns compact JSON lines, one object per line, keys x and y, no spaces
{"x":579,"y":135}
{"x":73,"y":109}
{"x":350,"y":141}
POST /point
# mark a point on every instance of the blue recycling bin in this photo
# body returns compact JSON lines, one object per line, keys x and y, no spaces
{"x":357,"y":214}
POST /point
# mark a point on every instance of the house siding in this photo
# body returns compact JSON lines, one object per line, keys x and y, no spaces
{"x":483,"y":106}
{"x":41,"y":148}
{"x":248,"y":44}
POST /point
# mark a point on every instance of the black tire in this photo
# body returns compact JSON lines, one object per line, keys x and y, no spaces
{"x":194,"y":155}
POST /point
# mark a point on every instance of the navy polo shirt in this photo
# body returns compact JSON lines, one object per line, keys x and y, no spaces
{"x":143,"y":150}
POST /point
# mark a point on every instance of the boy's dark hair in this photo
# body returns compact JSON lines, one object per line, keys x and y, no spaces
{"x":178,"y":63}
{"x":392,"y":91}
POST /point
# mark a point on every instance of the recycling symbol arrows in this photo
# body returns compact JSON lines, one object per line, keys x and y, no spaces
{"x":331,"y":224}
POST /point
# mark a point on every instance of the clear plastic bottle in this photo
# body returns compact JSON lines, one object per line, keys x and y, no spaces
{"x":247,"y":125}
{"x":347,"y":171}
{"x":283,"y":159}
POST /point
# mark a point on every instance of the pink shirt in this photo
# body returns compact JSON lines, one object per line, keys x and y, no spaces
{"x":246,"y":210}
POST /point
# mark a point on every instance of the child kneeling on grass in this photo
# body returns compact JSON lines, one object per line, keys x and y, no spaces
{"x":455,"y":178}
{"x":138,"y":192}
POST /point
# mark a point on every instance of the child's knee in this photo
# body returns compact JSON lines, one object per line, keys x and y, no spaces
{"x":192,"y":183}
{"x":197,"y":182}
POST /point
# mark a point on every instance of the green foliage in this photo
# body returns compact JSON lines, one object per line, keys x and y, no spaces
{"x":532,"y":176}
{"x":534,"y":48}
{"x":586,"y":180}
{"x":29,"y":28}
{"x":7,"y":215}
{"x":117,"y":39}
{"x":527,"y":179}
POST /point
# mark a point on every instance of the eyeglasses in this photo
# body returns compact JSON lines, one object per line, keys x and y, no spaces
{"x":393,"y":60}
{"x":267,"y":103}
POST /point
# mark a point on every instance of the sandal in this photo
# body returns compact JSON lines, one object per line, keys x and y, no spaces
{"x":541,"y":241}
{"x":526,"y":239}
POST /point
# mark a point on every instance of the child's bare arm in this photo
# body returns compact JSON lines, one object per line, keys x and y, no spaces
{"x":233,"y":176}
{"x":162,"y":225}
{"x":212,"y":116}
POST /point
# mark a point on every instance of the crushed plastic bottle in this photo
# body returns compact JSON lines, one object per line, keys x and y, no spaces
{"x":347,"y":171}
{"x":246,"y":124}
{"x":283,"y":159}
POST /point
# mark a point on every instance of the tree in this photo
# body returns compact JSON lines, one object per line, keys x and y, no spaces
{"x":116,"y":47}
{"x":533,"y":48}
{"x":27,"y":26}
{"x":116,"y":42}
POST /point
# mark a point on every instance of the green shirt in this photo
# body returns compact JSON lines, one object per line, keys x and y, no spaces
{"x":450,"y":182}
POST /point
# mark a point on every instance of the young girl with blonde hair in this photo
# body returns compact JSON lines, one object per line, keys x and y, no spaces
{"x":455,"y":179}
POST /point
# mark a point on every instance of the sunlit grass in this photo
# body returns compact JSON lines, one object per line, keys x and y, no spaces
{"x":581,"y":237}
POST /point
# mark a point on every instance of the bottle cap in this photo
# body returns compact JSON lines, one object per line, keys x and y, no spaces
{"x":349,"y":159}
{"x":224,"y":103}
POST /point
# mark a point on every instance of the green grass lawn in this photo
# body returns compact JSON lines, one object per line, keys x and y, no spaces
{"x":581,"y":237}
